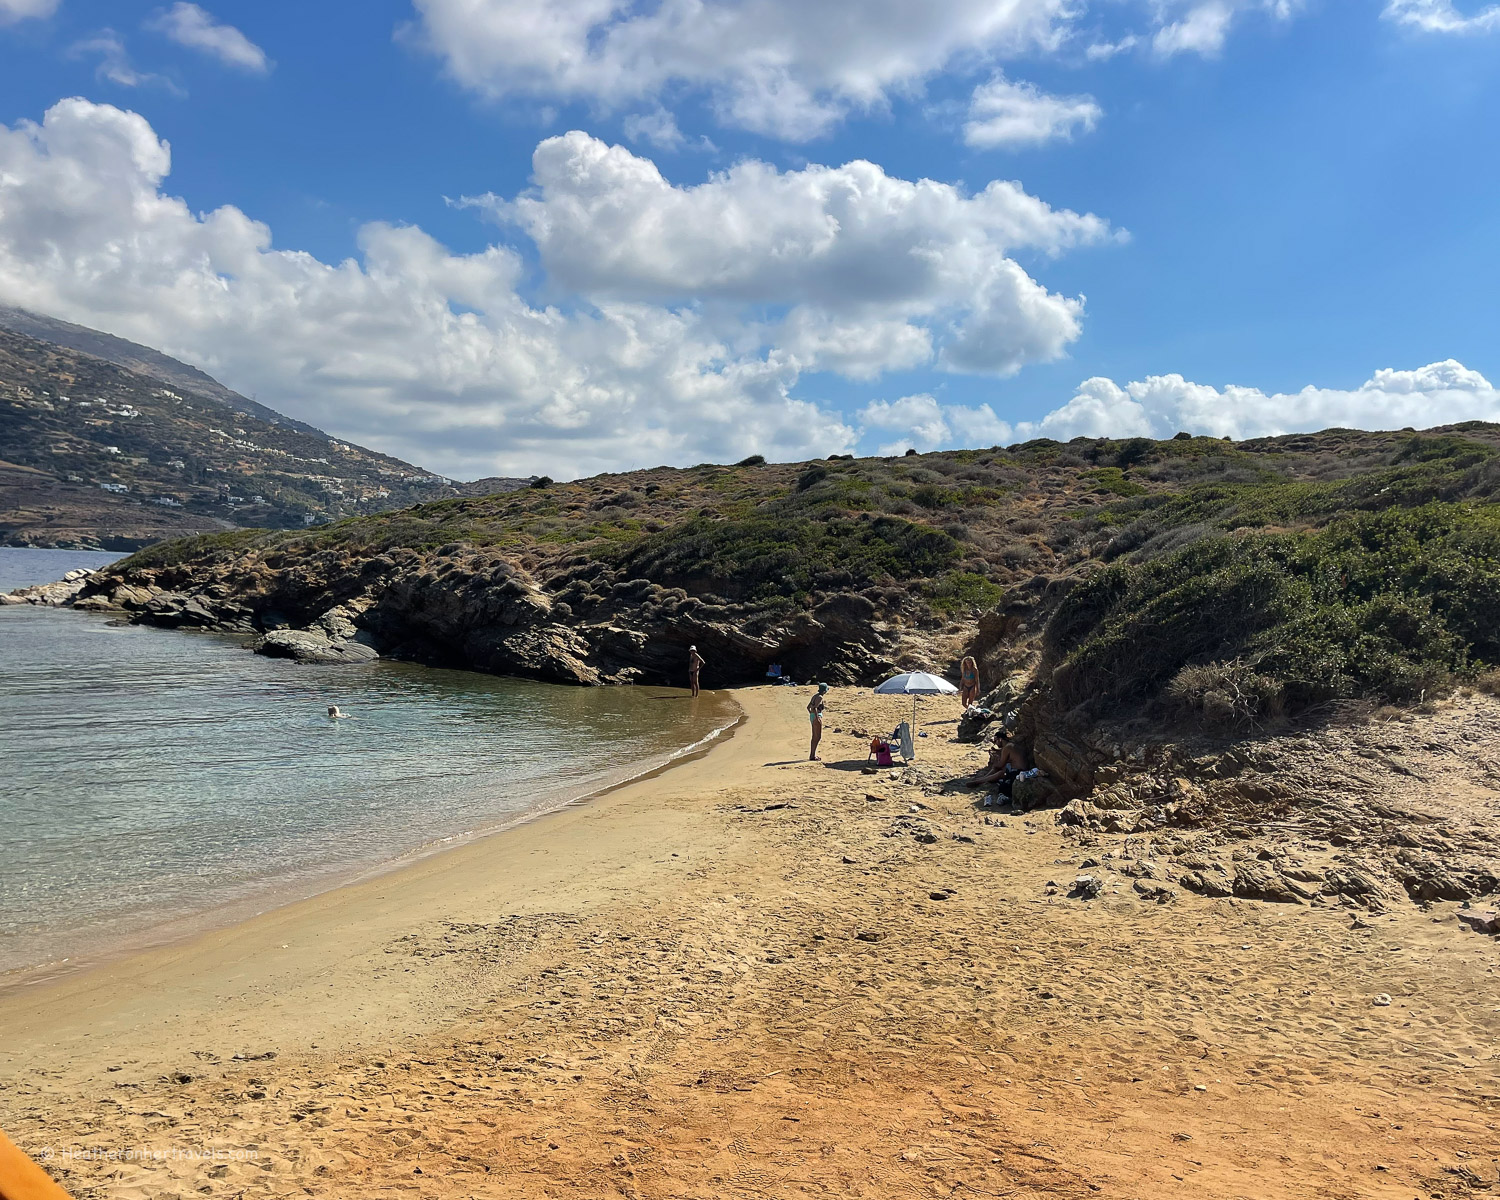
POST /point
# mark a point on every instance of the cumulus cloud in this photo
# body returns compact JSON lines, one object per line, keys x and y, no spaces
{"x":793,"y":70}
{"x":929,"y":425}
{"x":190,"y":26}
{"x":858,"y":258}
{"x":856,"y":349}
{"x":20,"y":10}
{"x":1440,"y":16}
{"x":784,"y":68}
{"x":1158,"y":406}
{"x":411,"y":348}
{"x":1437,"y":394}
{"x":1004,"y":114}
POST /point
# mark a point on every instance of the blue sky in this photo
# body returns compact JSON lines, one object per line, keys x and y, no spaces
{"x":1288,"y":196}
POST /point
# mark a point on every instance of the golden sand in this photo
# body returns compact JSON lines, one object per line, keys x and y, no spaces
{"x":756,"y":976}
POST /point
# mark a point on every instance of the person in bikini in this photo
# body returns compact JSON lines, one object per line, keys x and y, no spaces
{"x":815,"y":708}
{"x":968,"y":681}
{"x":695,"y":664}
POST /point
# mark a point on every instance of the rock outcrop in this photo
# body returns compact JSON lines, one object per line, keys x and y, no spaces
{"x":64,"y":591}
{"x":311,"y":646}
{"x":466,"y":608}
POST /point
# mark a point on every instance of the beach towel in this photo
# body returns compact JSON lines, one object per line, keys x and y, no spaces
{"x":908,"y":746}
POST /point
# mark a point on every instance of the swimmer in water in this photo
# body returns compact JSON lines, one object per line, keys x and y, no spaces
{"x":335,"y":715}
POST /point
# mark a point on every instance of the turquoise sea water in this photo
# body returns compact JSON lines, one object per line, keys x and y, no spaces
{"x":148,"y":775}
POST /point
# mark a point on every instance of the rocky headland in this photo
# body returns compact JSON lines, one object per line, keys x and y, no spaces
{"x":1219,"y":646}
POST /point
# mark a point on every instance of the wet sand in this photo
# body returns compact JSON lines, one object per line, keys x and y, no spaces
{"x":757,"y":976}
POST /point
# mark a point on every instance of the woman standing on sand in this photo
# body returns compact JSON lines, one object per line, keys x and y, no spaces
{"x":695,"y":664}
{"x":815,"y":708}
{"x":968,"y":681}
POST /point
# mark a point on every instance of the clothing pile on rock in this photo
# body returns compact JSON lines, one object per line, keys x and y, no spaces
{"x":1007,"y":783}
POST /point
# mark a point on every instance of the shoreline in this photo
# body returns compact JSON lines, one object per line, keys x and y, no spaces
{"x":160,"y":935}
{"x":110,"y":992}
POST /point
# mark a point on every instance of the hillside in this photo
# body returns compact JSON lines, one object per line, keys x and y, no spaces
{"x":39,"y":509}
{"x":133,"y":447}
{"x":1224,"y":640}
{"x":1318,"y":557}
{"x":141,"y":359}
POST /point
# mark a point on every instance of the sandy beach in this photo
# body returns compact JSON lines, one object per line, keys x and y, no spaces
{"x":752,"y":975}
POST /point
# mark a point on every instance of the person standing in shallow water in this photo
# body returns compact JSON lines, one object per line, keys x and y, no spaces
{"x":815,"y":708}
{"x":968,"y":681}
{"x":695,"y":664}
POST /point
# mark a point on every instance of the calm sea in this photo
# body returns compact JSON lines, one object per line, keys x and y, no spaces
{"x":149,"y":775}
{"x":22,"y":568}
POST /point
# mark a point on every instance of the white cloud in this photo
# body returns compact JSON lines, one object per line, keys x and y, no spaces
{"x":933,"y":426}
{"x":190,"y":26}
{"x":785,"y":68}
{"x":1005,"y":114}
{"x":857,"y":257}
{"x":1202,"y":26}
{"x":1158,"y":406}
{"x":20,"y":10}
{"x":919,"y":416}
{"x":114,"y":62}
{"x":410,"y":348}
{"x":1201,"y":30}
{"x":1104,"y":51}
{"x":794,"y":70}
{"x":856,"y":349}
{"x":1440,"y":16}
{"x":657,"y":127}
{"x":1437,"y":394}
{"x":1099,"y":408}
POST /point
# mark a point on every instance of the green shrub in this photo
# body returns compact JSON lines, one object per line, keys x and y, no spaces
{"x":1112,"y":479}
{"x":1387,"y":605}
{"x":958,"y":591}
{"x":206,"y":547}
{"x":766,"y":556}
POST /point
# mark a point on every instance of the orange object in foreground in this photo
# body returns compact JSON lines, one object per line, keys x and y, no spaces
{"x":22,"y":1179}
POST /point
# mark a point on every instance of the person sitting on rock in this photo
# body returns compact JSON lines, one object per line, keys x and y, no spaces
{"x":1005,"y":759}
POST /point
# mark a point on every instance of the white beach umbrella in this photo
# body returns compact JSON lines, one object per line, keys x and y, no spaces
{"x":914,"y":684}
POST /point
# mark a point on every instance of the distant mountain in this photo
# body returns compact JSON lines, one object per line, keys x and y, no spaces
{"x":107,"y":443}
{"x":142,"y":359}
